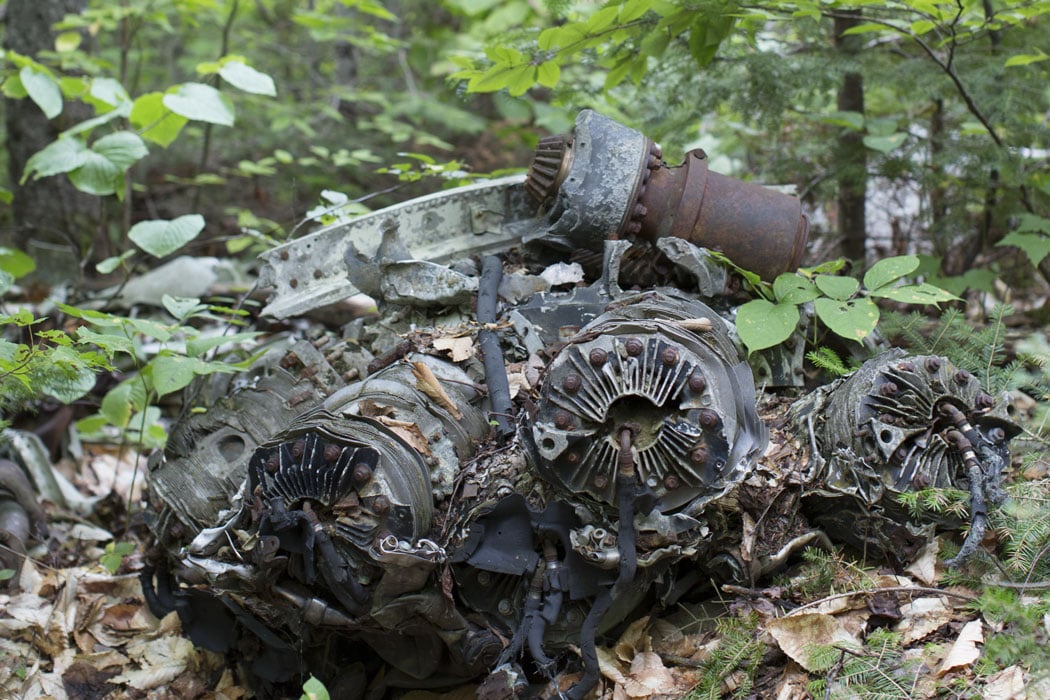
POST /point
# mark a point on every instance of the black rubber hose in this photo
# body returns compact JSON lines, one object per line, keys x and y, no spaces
{"x":554,"y":594}
{"x":978,"y":508}
{"x":491,"y":353}
{"x":627,"y":490}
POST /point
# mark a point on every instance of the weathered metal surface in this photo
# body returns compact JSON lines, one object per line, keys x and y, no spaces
{"x":310,"y":271}
{"x":612,"y":184}
{"x":664,"y":368}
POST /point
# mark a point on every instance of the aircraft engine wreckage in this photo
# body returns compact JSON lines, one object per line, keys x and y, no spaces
{"x":364,"y":503}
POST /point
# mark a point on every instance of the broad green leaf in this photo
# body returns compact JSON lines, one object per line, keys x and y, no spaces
{"x":1031,"y":222}
{"x":548,"y":74}
{"x":922,"y":26}
{"x":6,"y":195}
{"x":916,"y":294}
{"x":794,"y":289}
{"x":850,"y":120}
{"x":885,"y":144}
{"x":200,"y":102}
{"x":15,"y":262}
{"x":602,"y":19}
{"x":840,"y":288}
{"x":522,"y":78}
{"x":829,"y":267}
{"x":43,"y":90}
{"x":890,"y":270}
{"x":86,"y":126}
{"x":182,"y":307}
{"x":244,"y":77}
{"x":314,"y":689}
{"x":852,"y":320}
{"x":123,"y":401}
{"x":106,"y":93}
{"x":67,"y":41}
{"x":1024,"y":59}
{"x":980,"y":279}
{"x":59,"y":156}
{"x":866,"y":28}
{"x":170,"y":373}
{"x":762,"y":324}
{"x":110,"y":264}
{"x":69,"y":383}
{"x":109,"y":343}
{"x":122,"y":148}
{"x":195,"y":347}
{"x":156,"y":122}
{"x":1035,"y":245}
{"x":633,"y":9}
{"x":98,"y":175}
{"x":161,"y":237}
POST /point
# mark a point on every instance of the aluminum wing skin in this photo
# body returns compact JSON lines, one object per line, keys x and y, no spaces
{"x":310,"y":272}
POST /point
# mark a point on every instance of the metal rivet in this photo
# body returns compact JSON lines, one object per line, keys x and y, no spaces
{"x":671,"y":482}
{"x":563,"y":420}
{"x":669,"y":356}
{"x":572,"y":457}
{"x":332,"y":452}
{"x":504,"y":607}
{"x":698,"y":455}
{"x":272,"y":464}
{"x":362,"y":473}
{"x":600,"y":482}
{"x":707,"y":418}
{"x":572,"y":383}
{"x":598,"y":357}
{"x":697,"y":381}
{"x":888,"y":389}
{"x":932,"y":364}
{"x":298,"y":448}
{"x":634,"y":347}
{"x":962,"y":376}
{"x":381,"y":505}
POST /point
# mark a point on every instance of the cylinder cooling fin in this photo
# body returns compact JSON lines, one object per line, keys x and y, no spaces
{"x":662,"y":367}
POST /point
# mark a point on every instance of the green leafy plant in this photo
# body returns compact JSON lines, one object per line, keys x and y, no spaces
{"x":739,"y":654}
{"x":313,"y":689}
{"x":843,"y":304}
{"x":114,"y":555}
{"x":877,"y":670}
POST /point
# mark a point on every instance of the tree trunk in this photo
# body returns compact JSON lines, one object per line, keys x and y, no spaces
{"x":45,"y":212}
{"x":851,"y":159}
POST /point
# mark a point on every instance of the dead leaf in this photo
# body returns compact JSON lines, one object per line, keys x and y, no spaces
{"x":792,"y":684}
{"x":409,"y":432}
{"x":964,"y":652}
{"x":634,"y":640}
{"x":649,"y":676}
{"x":1007,"y":684}
{"x":924,"y":568}
{"x":798,"y":635}
{"x":460,"y":349}
{"x":428,"y":383}
{"x":610,"y":666}
{"x":162,"y":661}
{"x":922,"y":617}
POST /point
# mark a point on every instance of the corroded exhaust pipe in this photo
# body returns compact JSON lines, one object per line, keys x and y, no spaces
{"x":606,"y":181}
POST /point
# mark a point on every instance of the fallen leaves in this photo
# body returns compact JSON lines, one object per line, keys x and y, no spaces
{"x":965,"y":650}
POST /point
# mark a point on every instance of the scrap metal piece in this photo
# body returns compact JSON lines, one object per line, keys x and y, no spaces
{"x":310,"y":272}
{"x":611,"y":183}
{"x":663,"y":367}
{"x":894,"y":426}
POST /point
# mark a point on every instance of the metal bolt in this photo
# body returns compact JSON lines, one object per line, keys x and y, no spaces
{"x":505,"y":608}
{"x":362,"y":473}
{"x":332,"y":452}
{"x":601,"y":481}
{"x":562,"y":420}
{"x":888,"y":389}
{"x":707,"y":418}
{"x":983,"y":401}
{"x":887,"y":419}
{"x":933,"y":364}
{"x":640,"y":210}
{"x":272,"y":464}
{"x":961,"y":377}
{"x":572,"y":383}
{"x":572,"y":457}
{"x":656,"y":150}
{"x":997,"y":434}
{"x":633,"y":227}
{"x":697,"y":382}
{"x":298,"y":448}
{"x":598,"y":357}
{"x":484,"y":578}
{"x":381,"y":505}
{"x":698,"y":455}
{"x":906,"y":366}
{"x":671,"y":482}
{"x":634,"y":347}
{"x":669,"y":356}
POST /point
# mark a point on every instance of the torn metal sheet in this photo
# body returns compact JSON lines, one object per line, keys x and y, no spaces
{"x":310,"y":272}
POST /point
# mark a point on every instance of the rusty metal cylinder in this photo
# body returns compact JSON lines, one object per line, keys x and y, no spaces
{"x":758,"y":228}
{"x":607,"y":181}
